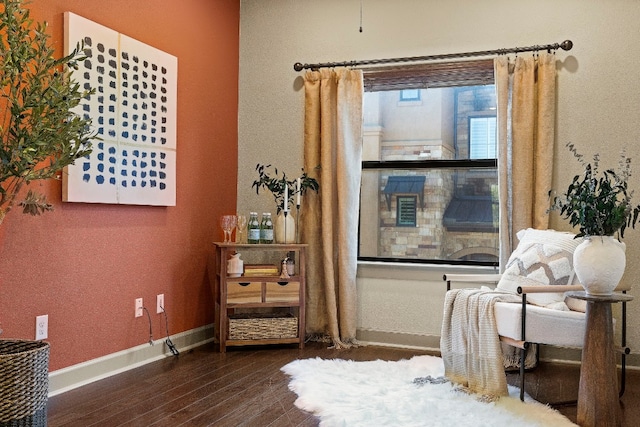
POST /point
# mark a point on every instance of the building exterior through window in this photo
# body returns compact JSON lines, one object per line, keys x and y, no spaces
{"x":430,"y":183}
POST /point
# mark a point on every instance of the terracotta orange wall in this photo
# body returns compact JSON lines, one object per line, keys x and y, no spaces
{"x":84,"y":264}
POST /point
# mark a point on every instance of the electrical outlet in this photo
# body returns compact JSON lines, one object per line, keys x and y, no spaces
{"x":138,"y":307}
{"x":42,"y":327}
{"x":159,"y":303}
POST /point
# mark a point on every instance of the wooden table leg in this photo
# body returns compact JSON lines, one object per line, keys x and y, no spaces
{"x":598,"y":403}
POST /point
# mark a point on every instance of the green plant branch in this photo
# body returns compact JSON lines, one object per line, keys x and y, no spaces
{"x":276,"y":185}
{"x":40,"y":132}
{"x":600,"y":204}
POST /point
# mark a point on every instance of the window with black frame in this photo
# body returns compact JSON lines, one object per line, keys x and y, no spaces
{"x":430,"y":181}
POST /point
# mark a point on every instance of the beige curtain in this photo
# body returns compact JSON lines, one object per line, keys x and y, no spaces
{"x":526,"y":99}
{"x":329,"y":221}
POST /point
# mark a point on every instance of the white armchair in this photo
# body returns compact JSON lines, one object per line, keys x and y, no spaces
{"x":540,"y":271}
{"x":520,"y":325}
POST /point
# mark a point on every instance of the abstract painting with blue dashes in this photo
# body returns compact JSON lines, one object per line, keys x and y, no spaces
{"x":133,"y":111}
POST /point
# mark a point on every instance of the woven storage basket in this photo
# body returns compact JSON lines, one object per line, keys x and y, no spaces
{"x":24,"y":383}
{"x":258,"y":326}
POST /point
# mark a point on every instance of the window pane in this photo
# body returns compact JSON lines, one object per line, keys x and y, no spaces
{"x":407,"y":211}
{"x":410,"y":95}
{"x":482,"y":137}
{"x":427,"y":151}
{"x":457,"y":219}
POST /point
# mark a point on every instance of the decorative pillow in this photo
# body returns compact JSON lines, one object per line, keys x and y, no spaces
{"x":575,"y":304}
{"x":543,"y":257}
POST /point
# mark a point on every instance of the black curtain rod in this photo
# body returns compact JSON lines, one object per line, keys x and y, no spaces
{"x":565,"y":45}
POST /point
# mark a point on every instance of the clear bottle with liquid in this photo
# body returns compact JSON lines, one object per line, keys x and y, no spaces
{"x":291,"y":263}
{"x":253,"y":228}
{"x":266,"y":228}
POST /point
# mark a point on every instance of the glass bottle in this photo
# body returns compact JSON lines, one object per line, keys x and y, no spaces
{"x":253,"y":228}
{"x":266,"y":228}
{"x":291,"y":263}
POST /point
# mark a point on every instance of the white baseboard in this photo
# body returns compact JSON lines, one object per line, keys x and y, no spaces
{"x":71,"y":377}
{"x":399,"y":339}
{"x":432,"y":343}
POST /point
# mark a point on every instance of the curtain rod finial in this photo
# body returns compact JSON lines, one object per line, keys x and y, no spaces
{"x":566,"y":45}
{"x":298,"y":66}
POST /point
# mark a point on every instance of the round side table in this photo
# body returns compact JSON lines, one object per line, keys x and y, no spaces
{"x":598,"y":402}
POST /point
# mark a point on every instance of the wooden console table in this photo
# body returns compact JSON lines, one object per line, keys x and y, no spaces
{"x":251,"y":295}
{"x":598,"y":401}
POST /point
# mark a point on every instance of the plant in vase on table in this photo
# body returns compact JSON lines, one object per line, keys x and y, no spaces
{"x":283,"y":191}
{"x":600,"y":204}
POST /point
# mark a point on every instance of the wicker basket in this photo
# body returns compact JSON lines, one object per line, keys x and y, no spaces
{"x":258,"y":326}
{"x":24,"y":383}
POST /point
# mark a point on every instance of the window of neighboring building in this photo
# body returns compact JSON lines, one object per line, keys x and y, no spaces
{"x":410,"y":95}
{"x":482,"y":137}
{"x":429,"y":182}
{"x":407,"y":211}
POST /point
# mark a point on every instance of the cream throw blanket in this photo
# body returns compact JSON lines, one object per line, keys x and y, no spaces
{"x":469,"y":341}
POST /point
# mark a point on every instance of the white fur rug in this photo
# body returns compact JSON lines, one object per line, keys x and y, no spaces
{"x":381,"y":393}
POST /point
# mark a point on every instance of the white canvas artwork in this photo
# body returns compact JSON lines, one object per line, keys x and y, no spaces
{"x":133,"y":111}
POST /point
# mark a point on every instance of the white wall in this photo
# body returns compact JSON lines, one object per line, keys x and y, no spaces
{"x":598,"y":100}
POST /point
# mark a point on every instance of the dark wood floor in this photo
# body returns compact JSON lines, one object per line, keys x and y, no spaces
{"x":245,"y":387}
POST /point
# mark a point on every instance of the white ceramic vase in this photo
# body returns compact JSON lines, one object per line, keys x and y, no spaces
{"x":599,"y":262}
{"x":290,"y":228}
{"x":235,"y":266}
